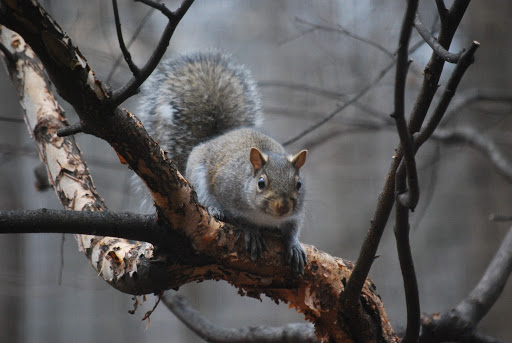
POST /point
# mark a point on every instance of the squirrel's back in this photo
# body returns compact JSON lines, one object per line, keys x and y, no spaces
{"x":193,"y":98}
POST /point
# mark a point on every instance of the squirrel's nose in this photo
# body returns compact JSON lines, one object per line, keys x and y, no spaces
{"x":282,"y":208}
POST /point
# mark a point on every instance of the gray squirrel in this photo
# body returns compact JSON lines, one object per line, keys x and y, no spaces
{"x":204,"y":110}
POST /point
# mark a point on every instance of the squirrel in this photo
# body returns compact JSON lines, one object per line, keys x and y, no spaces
{"x":204,"y":110}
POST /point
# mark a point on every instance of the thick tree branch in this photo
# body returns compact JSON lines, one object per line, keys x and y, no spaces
{"x":297,"y":332}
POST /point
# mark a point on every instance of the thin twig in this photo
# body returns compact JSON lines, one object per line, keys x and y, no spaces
{"x":211,"y":332}
{"x":132,"y":40}
{"x":480,"y":142}
{"x":61,"y":267}
{"x":130,"y":88}
{"x":465,"y":61}
{"x":126,"y":54}
{"x":347,"y":33}
{"x":432,"y":42}
{"x":493,"y":217}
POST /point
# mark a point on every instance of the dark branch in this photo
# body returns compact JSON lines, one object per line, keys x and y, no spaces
{"x":125,"y":225}
{"x":433,"y":43}
{"x":130,"y":88}
{"x":408,"y":198}
{"x":499,"y":218}
{"x":70,"y":130}
{"x":433,"y":70}
{"x":210,"y":332}
{"x":408,"y":274}
{"x":463,"y":319}
{"x":441,"y":8}
{"x":347,"y":33}
{"x":132,"y":40}
{"x":465,"y":61}
{"x":127,"y":56}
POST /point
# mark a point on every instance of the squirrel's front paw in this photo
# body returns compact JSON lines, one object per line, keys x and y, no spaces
{"x":255,"y":243}
{"x":296,"y":256}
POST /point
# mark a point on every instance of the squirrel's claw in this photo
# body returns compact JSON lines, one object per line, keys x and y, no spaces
{"x":255,"y":243}
{"x":296,"y":257}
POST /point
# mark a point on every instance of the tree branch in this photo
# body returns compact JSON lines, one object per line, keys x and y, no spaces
{"x":408,"y":198}
{"x":127,"y":225}
{"x":432,"y":42}
{"x":210,"y":332}
{"x":126,"y":54}
{"x":129,"y":89}
{"x":132,"y":40}
{"x":463,"y":319}
{"x":386,"y":198}
{"x":480,"y":142}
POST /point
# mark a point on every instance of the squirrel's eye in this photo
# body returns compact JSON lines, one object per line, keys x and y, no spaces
{"x":299,"y":184}
{"x":261,"y":182}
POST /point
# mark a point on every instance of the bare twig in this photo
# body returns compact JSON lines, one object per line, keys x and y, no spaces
{"x":211,"y":332}
{"x":132,"y":40}
{"x":11,"y":120}
{"x":432,"y":42}
{"x":130,"y":88}
{"x":126,"y":54}
{"x":463,"y":319}
{"x":480,"y":142}
{"x":70,"y":130}
{"x":493,"y":217}
{"x":465,"y":61}
{"x":347,"y":33}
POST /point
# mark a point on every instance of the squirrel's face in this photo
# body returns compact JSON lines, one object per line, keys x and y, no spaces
{"x":278,"y":194}
{"x":277,"y":183}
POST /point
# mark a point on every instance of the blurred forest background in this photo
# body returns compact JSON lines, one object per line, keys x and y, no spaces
{"x":307,"y":64}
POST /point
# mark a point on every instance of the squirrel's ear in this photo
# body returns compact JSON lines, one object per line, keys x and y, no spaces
{"x":299,"y":159}
{"x":257,"y":158}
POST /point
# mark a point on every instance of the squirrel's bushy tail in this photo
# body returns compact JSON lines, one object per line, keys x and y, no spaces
{"x":193,"y":98}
